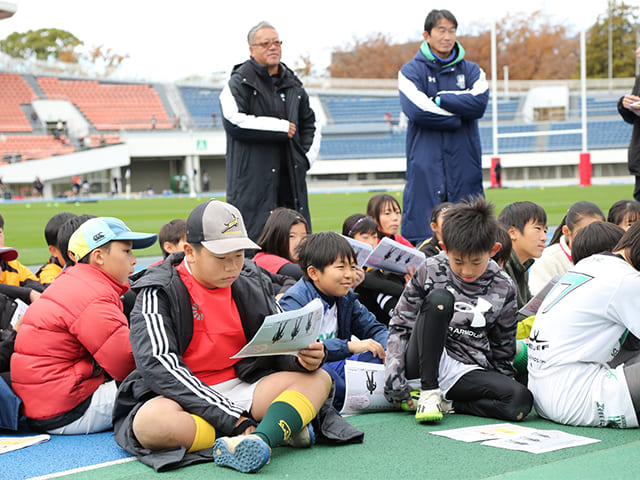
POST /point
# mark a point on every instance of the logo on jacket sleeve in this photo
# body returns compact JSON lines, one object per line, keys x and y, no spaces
{"x":461,"y":82}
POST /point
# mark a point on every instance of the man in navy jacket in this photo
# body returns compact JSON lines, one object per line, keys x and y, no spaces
{"x":443,"y":97}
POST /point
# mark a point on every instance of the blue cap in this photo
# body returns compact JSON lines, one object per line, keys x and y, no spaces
{"x":96,"y":232}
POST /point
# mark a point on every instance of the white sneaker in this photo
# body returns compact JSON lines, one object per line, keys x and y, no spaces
{"x":302,"y":439}
{"x":429,"y":408}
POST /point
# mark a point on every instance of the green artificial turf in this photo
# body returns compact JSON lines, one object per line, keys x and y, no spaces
{"x":396,"y":447}
{"x":25,"y":221}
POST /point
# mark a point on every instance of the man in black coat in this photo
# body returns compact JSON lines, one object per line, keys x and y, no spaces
{"x":629,"y":109}
{"x":272,"y":139}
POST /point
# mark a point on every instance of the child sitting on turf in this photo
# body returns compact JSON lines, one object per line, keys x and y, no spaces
{"x":431,"y":246}
{"x":279,"y":240}
{"x":50,"y":270}
{"x":454,"y":327}
{"x":624,"y":213}
{"x":73,"y":344}
{"x":556,"y":257}
{"x":575,"y":372}
{"x":597,"y":237}
{"x":379,"y":291}
{"x":386,"y":211}
{"x":501,"y":257}
{"x":328,"y":265}
{"x":14,"y":273}
{"x":192,"y":313}
{"x":526,"y":223}
{"x":172,"y":236}
{"x":67,"y":229}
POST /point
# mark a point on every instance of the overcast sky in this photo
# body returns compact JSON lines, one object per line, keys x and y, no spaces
{"x":169,"y":40}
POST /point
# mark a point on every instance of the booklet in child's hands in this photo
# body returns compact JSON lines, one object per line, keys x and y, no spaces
{"x":394,"y":256}
{"x":361,"y":249}
{"x":285,"y":333}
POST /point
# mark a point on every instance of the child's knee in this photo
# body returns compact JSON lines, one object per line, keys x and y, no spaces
{"x":440,"y":301}
{"x":521,"y":403}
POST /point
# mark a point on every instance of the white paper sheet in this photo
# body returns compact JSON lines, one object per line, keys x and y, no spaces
{"x":485,"y":432}
{"x":285,"y":333}
{"x":541,"y":441}
{"x":9,"y":444}
{"x":364,"y":390}
{"x":394,"y":256}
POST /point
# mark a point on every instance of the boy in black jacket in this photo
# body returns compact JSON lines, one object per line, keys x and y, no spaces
{"x":186,"y":393}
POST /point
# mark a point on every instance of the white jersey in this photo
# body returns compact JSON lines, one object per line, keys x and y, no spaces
{"x":579,"y":327}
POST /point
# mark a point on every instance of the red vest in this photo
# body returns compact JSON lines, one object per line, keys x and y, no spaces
{"x":270,"y":262}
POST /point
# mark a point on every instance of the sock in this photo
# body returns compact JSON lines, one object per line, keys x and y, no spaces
{"x":288,"y":413}
{"x":205,"y":435}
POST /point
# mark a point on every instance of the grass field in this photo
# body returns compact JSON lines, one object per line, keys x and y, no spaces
{"x":24,"y":222}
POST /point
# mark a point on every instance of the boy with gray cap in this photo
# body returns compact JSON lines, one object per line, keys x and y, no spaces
{"x":193,"y":312}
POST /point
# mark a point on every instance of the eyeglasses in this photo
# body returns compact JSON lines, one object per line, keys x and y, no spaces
{"x":268,"y":44}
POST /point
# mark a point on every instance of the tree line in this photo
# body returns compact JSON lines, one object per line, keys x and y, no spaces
{"x":532,"y":46}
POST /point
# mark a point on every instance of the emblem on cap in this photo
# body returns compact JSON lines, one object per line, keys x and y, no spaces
{"x":229,"y":225}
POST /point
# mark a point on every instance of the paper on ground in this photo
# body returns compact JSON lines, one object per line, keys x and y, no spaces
{"x":285,"y":333}
{"x":364,"y":391}
{"x":9,"y":444}
{"x":541,"y":441}
{"x":484,"y":432}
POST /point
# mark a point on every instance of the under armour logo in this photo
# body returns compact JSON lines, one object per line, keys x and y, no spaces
{"x":478,"y":311}
{"x":431,"y":79}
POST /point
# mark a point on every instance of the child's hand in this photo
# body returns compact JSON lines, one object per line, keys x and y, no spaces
{"x":410,"y":271}
{"x":359,"y":278}
{"x":312,"y":356}
{"x":33,"y":296}
{"x":249,"y":429}
{"x":368,"y":345}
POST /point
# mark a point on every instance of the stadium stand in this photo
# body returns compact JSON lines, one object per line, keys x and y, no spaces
{"x":203,"y":105}
{"x":361,"y":109}
{"x":111,"y":106}
{"x":506,"y":110}
{"x":29,"y":147}
{"x":600,"y":135}
{"x":363,"y":136}
{"x":15,"y":92}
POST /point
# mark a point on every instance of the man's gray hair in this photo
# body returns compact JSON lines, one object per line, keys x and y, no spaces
{"x":251,"y":36}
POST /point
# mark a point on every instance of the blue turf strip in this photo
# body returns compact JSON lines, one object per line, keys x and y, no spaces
{"x":60,"y":453}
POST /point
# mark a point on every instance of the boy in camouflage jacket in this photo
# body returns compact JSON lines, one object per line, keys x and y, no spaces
{"x":454,"y":327}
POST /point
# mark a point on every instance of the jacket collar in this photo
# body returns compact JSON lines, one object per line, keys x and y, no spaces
{"x":426,"y":53}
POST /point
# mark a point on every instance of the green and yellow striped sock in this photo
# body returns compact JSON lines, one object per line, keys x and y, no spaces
{"x":288,"y":414}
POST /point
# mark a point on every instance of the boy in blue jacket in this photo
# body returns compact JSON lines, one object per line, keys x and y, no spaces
{"x":328,"y":264}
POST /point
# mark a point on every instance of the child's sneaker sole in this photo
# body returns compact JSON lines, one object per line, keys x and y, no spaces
{"x":434,"y":416}
{"x":248,"y":455}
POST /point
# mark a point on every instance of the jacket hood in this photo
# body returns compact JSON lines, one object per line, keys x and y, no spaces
{"x":425,"y":52}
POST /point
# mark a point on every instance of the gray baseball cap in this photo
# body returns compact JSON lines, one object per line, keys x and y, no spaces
{"x":219,"y":227}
